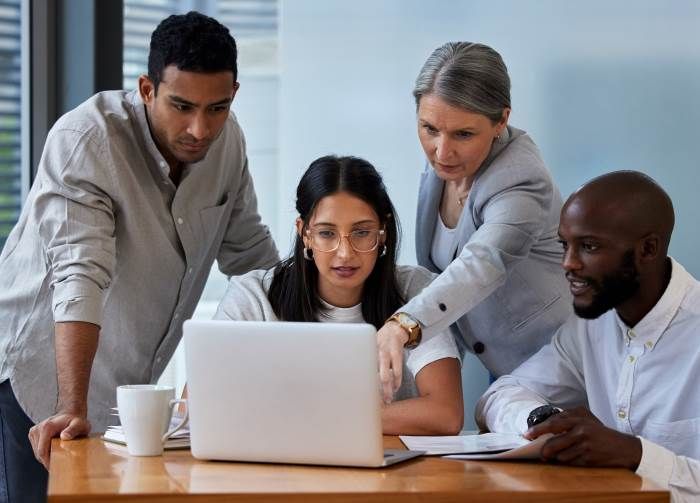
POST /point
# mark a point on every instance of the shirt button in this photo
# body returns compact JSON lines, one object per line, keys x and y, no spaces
{"x":176,"y":316}
{"x":631,"y":359}
{"x":621,"y":414}
{"x":479,"y":347}
{"x":649,"y":344}
{"x":442,"y":306}
{"x":159,"y":359}
{"x":189,"y":271}
{"x":180,"y":221}
{"x":631,"y":334}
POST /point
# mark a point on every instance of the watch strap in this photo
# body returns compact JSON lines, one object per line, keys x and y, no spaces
{"x":411,"y":326}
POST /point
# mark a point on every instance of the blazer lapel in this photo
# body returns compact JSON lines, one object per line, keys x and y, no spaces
{"x":428,"y":200}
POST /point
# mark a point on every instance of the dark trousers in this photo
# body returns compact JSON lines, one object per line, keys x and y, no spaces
{"x":22,"y":477}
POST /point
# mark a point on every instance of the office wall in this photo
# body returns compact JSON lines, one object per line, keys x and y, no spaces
{"x":600,"y":86}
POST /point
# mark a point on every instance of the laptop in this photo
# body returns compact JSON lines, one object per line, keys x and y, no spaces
{"x":285,"y":392}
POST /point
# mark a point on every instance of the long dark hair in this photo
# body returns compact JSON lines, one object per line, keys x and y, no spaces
{"x":293,"y":292}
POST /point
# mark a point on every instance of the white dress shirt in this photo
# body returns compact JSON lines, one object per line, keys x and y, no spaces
{"x":640,"y":381}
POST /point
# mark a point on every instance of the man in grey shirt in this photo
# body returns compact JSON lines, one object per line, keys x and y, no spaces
{"x":136,"y":194}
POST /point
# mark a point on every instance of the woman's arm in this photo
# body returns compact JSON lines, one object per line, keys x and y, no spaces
{"x":512,"y":210}
{"x":246,"y":298}
{"x":439,"y":408}
{"x":513,"y":204}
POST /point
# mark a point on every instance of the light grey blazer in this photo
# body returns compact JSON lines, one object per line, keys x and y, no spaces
{"x":505,"y":292}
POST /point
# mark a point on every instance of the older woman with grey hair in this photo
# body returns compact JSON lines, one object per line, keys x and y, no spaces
{"x":488,"y":213}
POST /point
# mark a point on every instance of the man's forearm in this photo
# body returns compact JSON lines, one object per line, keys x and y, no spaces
{"x":76,"y":344}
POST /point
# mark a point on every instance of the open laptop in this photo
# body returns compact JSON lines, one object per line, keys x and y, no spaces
{"x":284,"y":392}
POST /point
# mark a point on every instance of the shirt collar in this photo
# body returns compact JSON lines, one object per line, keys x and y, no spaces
{"x":328,"y":305}
{"x":142,"y":120}
{"x":650,"y":328}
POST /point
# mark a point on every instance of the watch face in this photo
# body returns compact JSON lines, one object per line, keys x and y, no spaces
{"x":408,"y":321}
{"x":411,"y":326}
{"x":541,"y":414}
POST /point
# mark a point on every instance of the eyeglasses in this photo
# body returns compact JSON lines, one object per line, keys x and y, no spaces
{"x":328,"y":240}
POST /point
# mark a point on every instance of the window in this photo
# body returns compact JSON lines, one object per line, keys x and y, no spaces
{"x":140,"y":19}
{"x":10,"y":116}
{"x":253,"y":23}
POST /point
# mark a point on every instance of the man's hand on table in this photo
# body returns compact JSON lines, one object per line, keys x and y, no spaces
{"x":67,"y":425}
{"x":580,"y":439}
{"x":76,"y":344}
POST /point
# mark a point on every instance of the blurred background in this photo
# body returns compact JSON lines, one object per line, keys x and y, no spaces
{"x":599,"y":85}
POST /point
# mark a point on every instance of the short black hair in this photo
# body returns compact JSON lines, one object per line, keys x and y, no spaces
{"x":192,"y":42}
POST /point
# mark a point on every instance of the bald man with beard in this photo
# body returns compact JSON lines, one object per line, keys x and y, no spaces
{"x":618,"y":384}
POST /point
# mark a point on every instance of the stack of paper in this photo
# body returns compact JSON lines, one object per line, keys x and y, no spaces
{"x":485,"y":446}
{"x":179,"y":440}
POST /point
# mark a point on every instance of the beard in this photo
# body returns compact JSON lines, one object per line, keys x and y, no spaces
{"x":612,"y":290}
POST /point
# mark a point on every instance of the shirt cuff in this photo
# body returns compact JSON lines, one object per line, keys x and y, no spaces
{"x":75,"y":300}
{"x":656,"y":464}
{"x":525,"y":410}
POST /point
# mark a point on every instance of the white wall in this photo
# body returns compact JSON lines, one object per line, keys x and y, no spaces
{"x":600,"y":85}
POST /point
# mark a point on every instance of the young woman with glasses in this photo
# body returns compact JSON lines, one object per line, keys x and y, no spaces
{"x":343,"y":269}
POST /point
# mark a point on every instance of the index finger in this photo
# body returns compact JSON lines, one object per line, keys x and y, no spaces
{"x":385,"y":377}
{"x":397,"y":368}
{"x":556,"y":424}
{"x":557,"y":444}
{"x":45,"y":433}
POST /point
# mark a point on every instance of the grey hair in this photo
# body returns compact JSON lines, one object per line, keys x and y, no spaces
{"x":468,"y":75}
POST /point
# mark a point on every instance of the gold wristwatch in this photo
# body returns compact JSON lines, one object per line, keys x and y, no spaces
{"x":411,"y":326}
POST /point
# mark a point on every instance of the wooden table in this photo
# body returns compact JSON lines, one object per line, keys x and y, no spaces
{"x":91,"y":470}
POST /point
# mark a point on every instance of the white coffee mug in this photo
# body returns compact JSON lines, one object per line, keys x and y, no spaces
{"x":145,"y":411}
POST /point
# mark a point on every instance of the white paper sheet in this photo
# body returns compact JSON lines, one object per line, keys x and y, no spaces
{"x":530,"y":450}
{"x":179,"y":440}
{"x":485,"y":446}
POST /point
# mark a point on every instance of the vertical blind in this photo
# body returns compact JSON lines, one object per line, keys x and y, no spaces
{"x":140,"y":19}
{"x":10,"y":107}
{"x":253,"y":23}
{"x":248,"y":19}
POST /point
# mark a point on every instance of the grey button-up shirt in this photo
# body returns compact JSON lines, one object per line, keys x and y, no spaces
{"x":106,"y":237}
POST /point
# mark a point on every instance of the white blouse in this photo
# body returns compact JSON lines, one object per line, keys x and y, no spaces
{"x":444,"y":246}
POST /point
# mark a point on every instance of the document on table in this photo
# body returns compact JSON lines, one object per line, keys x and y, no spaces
{"x":179,"y":440}
{"x":485,"y":446}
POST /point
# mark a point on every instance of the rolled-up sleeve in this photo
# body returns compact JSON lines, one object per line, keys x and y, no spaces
{"x":511,"y":212}
{"x":553,"y":375}
{"x":77,"y":224}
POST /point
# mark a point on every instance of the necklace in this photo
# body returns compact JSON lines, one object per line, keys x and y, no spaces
{"x":461,"y":198}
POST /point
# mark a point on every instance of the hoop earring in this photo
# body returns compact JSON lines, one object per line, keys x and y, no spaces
{"x":308,"y":254}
